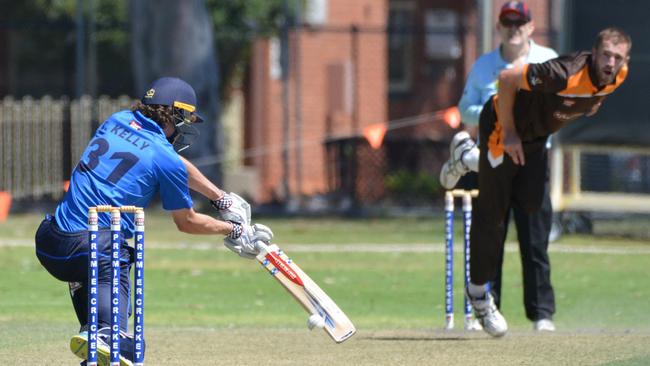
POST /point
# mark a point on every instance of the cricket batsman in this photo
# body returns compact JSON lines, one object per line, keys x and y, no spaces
{"x":132,"y":157}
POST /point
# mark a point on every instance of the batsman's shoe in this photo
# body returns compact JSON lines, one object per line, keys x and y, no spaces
{"x":79,"y":346}
{"x":544,"y":325}
{"x":488,"y":315}
{"x":454,"y":168}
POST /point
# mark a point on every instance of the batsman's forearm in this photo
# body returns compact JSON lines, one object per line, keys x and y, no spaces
{"x":199,"y":183}
{"x":198,"y":223}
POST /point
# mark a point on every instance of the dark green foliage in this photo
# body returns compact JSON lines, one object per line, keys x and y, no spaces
{"x":407,"y":186}
{"x":236,"y":25}
{"x":42,"y":44}
{"x":39,"y":39}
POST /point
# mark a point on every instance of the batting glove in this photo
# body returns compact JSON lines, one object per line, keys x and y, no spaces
{"x":231,"y":207}
{"x":243,"y":238}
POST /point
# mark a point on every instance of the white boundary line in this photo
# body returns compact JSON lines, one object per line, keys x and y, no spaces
{"x":372,"y":248}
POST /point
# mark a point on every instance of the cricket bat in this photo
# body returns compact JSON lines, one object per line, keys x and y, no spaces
{"x":312,"y":298}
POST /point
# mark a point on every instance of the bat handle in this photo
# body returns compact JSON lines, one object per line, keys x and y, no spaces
{"x":261,"y":246}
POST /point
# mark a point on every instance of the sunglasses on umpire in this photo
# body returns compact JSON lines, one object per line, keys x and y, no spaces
{"x":508,"y":23}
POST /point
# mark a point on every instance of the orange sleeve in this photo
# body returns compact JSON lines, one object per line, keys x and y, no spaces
{"x":525,"y":84}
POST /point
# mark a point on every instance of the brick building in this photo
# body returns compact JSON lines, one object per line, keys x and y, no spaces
{"x":337,"y":64}
{"x":357,"y":63}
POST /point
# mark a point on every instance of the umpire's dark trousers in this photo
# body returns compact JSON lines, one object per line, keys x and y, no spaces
{"x":524,"y":189}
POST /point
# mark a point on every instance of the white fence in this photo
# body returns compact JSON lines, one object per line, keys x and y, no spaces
{"x":591,"y":178}
{"x":42,"y":140}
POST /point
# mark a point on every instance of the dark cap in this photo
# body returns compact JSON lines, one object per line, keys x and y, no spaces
{"x":515,"y":7}
{"x":172,"y":92}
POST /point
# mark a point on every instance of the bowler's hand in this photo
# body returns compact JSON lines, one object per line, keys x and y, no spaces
{"x":594,"y":109}
{"x":512,"y":146}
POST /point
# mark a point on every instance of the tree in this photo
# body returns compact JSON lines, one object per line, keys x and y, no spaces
{"x":44,"y":46}
{"x":206,"y":42}
{"x":38,"y":40}
{"x":175,"y":38}
{"x":237,"y":24}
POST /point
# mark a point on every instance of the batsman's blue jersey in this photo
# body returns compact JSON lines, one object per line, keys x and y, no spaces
{"x":126,"y":163}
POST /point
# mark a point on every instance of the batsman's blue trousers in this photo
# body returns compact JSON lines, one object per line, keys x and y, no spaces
{"x":65,"y":256}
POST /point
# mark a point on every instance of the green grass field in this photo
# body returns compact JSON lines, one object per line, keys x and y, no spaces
{"x":206,"y":305}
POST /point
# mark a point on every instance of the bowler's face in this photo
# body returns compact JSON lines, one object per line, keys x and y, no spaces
{"x":608,"y":59}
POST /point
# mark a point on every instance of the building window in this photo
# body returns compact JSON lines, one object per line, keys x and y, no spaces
{"x":401,"y":20}
{"x":315,"y":12}
{"x":442,"y":41}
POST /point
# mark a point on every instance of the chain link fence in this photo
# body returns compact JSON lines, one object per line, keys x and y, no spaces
{"x":402,"y":172}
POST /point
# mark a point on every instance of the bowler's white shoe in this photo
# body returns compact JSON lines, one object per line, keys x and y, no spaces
{"x":544,"y":325}
{"x":454,"y":168}
{"x":488,"y":315}
{"x":472,"y":324}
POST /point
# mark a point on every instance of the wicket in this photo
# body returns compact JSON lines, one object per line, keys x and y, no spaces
{"x":449,"y":253}
{"x":93,"y":272}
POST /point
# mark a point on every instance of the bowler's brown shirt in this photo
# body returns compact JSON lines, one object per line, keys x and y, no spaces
{"x":557,"y":92}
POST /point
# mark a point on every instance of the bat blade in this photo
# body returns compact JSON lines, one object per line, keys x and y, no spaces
{"x":312,"y":298}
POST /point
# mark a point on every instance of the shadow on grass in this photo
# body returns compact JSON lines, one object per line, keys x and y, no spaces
{"x":437,"y":339}
{"x":441,"y":336}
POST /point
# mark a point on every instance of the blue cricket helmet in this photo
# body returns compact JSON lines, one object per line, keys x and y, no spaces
{"x":172,"y":92}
